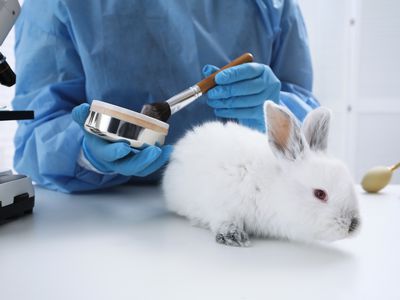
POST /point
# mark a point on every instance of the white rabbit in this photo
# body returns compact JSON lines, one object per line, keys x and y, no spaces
{"x":236,"y":181}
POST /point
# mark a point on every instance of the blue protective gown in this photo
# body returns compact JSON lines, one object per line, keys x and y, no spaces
{"x":131,"y":52}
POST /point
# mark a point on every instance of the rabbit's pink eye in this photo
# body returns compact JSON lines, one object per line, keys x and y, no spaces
{"x":321,"y":195}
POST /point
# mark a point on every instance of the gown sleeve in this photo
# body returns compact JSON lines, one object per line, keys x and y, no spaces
{"x":51,"y":81}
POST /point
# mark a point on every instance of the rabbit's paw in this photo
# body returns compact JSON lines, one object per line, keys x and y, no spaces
{"x":232,"y":235}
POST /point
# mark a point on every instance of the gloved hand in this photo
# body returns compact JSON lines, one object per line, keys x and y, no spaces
{"x":119,"y":157}
{"x":299,"y":106}
{"x":242,"y":91}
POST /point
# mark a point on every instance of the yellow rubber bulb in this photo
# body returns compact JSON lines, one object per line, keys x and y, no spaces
{"x":377,"y":178}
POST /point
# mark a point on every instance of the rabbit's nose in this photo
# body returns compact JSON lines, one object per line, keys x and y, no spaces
{"x":354,"y":224}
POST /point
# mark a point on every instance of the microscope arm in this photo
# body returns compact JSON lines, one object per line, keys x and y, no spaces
{"x":9,"y":11}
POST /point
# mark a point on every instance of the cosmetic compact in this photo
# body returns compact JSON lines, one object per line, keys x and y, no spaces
{"x":115,"y":123}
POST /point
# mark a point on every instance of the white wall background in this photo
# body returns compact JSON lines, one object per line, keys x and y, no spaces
{"x":355,"y":46}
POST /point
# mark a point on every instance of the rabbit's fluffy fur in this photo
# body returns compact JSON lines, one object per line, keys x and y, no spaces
{"x":237,"y":181}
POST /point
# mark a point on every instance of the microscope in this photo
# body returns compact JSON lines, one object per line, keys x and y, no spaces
{"x":17,"y":196}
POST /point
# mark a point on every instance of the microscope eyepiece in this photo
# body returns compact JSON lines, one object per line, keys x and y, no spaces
{"x":7,"y":76}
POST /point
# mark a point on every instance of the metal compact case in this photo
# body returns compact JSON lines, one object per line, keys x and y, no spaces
{"x":115,"y":123}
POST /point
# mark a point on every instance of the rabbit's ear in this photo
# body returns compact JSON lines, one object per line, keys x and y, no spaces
{"x":316,"y":128}
{"x":284,"y":134}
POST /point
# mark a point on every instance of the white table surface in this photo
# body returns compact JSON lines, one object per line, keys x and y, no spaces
{"x":122,"y":244}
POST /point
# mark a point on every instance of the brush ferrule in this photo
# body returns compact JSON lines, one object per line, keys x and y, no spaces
{"x":184,"y":98}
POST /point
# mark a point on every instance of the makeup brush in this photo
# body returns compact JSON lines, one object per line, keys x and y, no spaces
{"x":163,"y":110}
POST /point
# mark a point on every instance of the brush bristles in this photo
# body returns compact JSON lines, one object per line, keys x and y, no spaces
{"x":160,"y":111}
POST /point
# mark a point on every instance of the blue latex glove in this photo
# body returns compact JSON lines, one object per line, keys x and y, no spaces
{"x":119,"y":157}
{"x":299,"y":101}
{"x":242,"y":91}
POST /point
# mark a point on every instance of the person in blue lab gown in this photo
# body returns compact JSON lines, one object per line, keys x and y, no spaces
{"x":130,"y":52}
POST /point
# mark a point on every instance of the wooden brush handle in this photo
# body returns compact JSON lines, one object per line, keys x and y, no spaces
{"x":209,"y":82}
